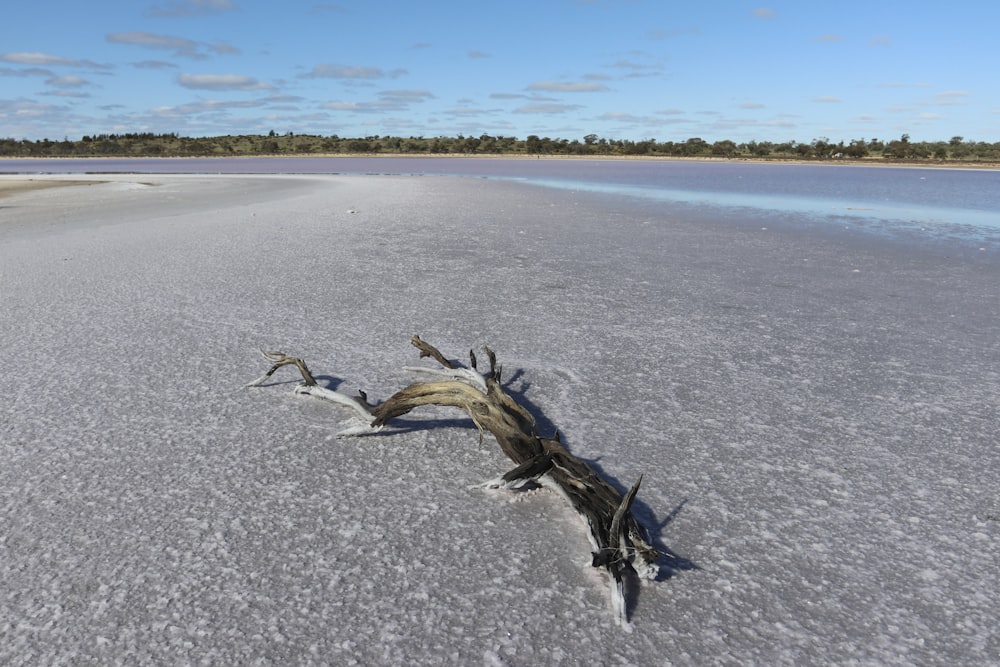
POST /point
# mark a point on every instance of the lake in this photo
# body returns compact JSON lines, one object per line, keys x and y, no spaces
{"x":960,"y":206}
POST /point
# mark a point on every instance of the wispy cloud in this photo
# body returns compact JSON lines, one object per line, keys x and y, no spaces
{"x":827,"y":99}
{"x":726,"y":124}
{"x":949,"y":98}
{"x":410,"y":95}
{"x":224,"y":49}
{"x":764,"y":13}
{"x":333,"y":71}
{"x":387,"y":101}
{"x":568,"y":86}
{"x":829,"y":39}
{"x":178,"y":8}
{"x":479,"y":54}
{"x":205,"y":106}
{"x":48,"y":60}
{"x":221,"y":82}
{"x":67,"y":81}
{"x":67,"y":92}
{"x":635,"y":69}
{"x":30,"y":71}
{"x":153,"y":64}
{"x":547,"y":108}
{"x":180,"y":46}
{"x":328,"y":8}
{"x":631,"y":119}
{"x":660,"y":34}
{"x":471,"y":112}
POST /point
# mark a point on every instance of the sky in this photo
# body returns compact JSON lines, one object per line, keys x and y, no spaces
{"x":619,"y":69}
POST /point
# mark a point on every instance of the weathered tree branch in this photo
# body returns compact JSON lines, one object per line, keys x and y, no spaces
{"x":620,"y":543}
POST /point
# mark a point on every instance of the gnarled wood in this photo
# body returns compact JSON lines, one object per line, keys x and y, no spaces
{"x":619,"y":542}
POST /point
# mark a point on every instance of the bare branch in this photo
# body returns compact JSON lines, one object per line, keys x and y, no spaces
{"x":280,"y":359}
{"x":428,"y":350}
{"x":620,"y":544}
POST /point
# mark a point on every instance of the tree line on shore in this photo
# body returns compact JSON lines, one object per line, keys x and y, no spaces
{"x":147,"y":144}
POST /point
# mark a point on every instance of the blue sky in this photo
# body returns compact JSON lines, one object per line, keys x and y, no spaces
{"x":621,"y":69}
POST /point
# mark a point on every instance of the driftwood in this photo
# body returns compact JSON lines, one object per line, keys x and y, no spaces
{"x":620,"y":544}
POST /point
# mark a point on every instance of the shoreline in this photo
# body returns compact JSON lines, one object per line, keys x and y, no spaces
{"x":839,"y":162}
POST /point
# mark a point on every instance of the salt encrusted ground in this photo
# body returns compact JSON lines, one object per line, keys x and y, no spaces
{"x":816,"y":420}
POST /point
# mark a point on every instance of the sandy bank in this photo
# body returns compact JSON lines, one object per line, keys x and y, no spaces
{"x":12,"y":186}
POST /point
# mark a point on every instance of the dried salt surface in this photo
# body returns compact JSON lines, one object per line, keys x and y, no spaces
{"x":815,"y":418}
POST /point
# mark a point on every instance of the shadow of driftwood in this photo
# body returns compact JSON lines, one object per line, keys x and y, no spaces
{"x":670,"y":562}
{"x":543,"y":426}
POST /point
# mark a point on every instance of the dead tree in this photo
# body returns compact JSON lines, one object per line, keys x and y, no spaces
{"x":620,"y":543}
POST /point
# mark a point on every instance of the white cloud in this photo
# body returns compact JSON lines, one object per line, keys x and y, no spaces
{"x":221,"y":82}
{"x":827,"y":99}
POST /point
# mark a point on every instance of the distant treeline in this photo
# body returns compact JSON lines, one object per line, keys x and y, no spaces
{"x":172,"y":145}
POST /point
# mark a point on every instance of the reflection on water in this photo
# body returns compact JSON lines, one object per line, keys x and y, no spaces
{"x":951,"y":221}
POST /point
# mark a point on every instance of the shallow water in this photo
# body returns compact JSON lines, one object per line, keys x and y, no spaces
{"x":951,"y":205}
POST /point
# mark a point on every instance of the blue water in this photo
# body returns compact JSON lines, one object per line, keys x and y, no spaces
{"x":933,"y":203}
